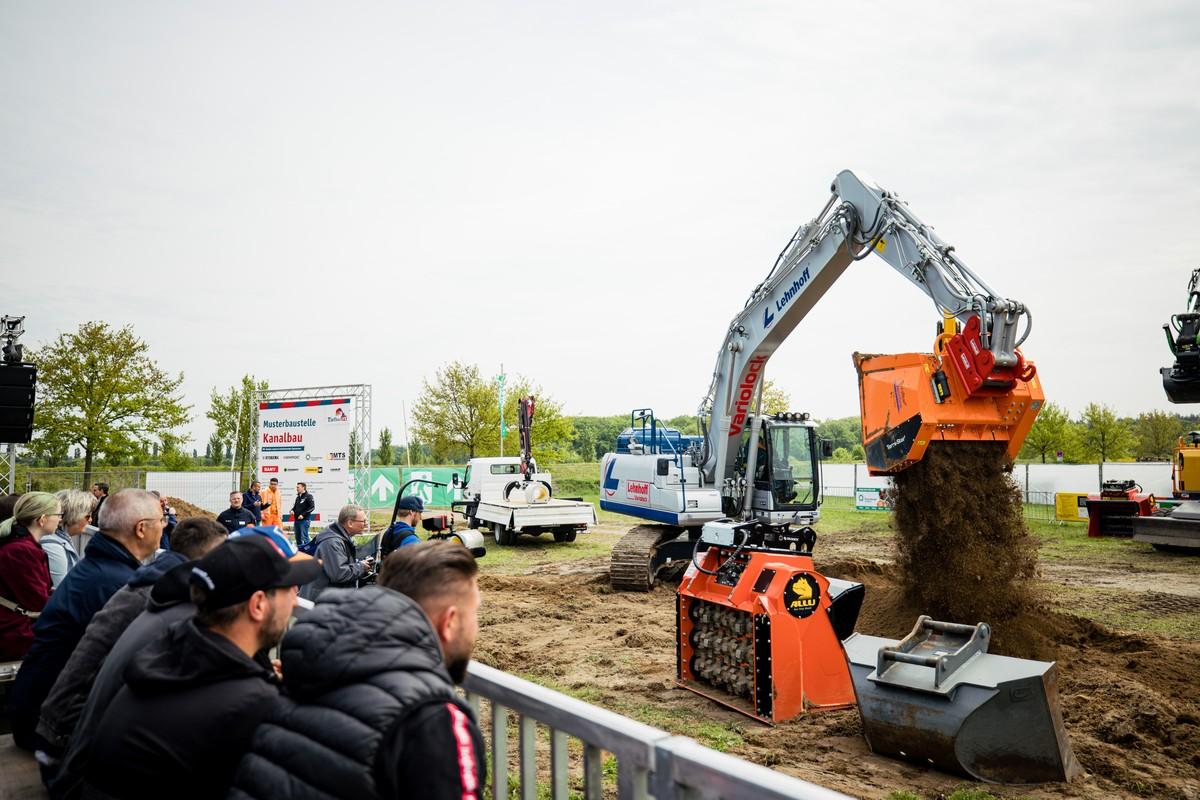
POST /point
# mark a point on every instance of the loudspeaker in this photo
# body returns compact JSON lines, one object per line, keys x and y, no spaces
{"x":18,"y":388}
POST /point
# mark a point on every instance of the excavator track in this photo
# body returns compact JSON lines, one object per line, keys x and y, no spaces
{"x":633,"y":555}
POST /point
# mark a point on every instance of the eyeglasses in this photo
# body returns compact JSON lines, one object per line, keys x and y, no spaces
{"x":162,"y":519}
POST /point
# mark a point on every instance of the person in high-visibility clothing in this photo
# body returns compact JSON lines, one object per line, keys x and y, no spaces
{"x":271,"y":501}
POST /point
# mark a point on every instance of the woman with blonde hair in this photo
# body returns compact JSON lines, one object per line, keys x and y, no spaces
{"x":60,"y":546}
{"x":24,"y":573}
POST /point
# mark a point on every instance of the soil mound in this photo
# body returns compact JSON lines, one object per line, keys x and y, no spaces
{"x":185,"y":510}
{"x":963,"y":550}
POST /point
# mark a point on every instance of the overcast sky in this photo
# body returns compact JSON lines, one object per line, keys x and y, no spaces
{"x":324,"y":193}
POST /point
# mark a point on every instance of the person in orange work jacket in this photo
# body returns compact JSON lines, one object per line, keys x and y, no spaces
{"x":270,"y":504}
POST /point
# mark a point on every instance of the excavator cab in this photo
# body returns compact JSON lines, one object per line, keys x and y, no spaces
{"x":786,"y":468}
{"x":1181,"y":381}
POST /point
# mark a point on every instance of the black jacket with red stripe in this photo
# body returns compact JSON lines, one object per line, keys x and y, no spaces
{"x":369,"y":710}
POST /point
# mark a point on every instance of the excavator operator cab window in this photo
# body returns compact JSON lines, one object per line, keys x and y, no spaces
{"x":787,"y":467}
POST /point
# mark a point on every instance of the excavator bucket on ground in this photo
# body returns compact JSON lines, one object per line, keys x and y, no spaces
{"x":911,"y":399}
{"x":937,"y":697}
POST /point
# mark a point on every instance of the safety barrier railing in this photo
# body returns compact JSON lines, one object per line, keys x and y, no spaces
{"x":651,"y":763}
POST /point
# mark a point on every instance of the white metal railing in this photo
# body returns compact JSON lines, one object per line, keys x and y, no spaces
{"x":650,"y":762}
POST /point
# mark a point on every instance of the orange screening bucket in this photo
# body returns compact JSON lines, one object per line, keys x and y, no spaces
{"x":911,"y":399}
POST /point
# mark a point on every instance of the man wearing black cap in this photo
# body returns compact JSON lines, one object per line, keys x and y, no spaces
{"x":194,"y":696}
{"x":404,"y":532}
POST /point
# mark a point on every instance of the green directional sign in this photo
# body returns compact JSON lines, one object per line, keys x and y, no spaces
{"x":430,"y":495}
{"x":386,"y":481}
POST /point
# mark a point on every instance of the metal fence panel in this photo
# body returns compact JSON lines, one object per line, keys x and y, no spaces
{"x":650,"y":762}
{"x":208,"y":490}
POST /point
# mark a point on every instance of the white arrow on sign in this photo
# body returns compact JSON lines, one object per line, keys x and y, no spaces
{"x":382,"y":487}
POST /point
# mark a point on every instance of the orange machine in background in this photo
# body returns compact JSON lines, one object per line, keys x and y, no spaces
{"x":760,"y":632}
{"x":911,"y":399}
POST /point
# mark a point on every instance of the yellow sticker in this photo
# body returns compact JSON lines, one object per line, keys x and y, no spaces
{"x":881,"y":245}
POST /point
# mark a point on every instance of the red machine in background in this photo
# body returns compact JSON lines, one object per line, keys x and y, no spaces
{"x":1112,"y":511}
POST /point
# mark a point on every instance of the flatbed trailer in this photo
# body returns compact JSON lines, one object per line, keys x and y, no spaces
{"x":565,"y":518}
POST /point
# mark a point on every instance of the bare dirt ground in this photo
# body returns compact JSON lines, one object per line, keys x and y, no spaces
{"x":1130,"y":698}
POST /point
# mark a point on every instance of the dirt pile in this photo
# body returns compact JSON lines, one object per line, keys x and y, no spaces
{"x":963,"y":550}
{"x":185,"y":510}
{"x":1131,"y":703}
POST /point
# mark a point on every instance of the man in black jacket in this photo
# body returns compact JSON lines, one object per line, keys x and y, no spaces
{"x":236,"y":516}
{"x":60,"y":712}
{"x":371,"y":710}
{"x":302,"y":512}
{"x":340,"y":565}
{"x":193,"y":697}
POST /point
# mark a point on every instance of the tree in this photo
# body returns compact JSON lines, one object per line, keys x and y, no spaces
{"x":174,"y":458}
{"x":1050,"y":433}
{"x":214,"y":450}
{"x":457,"y":411}
{"x":234,"y":414}
{"x":552,"y":432}
{"x":1103,"y":435}
{"x":386,"y":453}
{"x":774,"y":399}
{"x":458,"y":417}
{"x":1156,"y":433}
{"x":98,"y":388}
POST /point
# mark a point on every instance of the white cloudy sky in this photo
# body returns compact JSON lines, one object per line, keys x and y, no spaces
{"x":360,"y":192}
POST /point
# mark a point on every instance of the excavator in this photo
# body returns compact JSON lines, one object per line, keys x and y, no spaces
{"x":1177,"y":529}
{"x":759,"y":628}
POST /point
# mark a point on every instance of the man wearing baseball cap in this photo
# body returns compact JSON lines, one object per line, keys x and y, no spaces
{"x":194,"y":696}
{"x":404,"y":532}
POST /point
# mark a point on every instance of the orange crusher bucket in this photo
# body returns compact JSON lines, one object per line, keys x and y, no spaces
{"x":763,"y":635}
{"x":911,"y":399}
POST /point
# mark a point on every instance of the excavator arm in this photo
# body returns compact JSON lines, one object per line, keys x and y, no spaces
{"x":860,"y":219}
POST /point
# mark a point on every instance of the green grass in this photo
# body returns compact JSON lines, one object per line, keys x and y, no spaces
{"x":964,"y":793}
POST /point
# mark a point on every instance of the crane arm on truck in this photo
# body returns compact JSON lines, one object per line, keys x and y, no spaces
{"x":859,"y":219}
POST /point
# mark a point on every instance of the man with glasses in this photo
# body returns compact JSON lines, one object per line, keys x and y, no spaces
{"x":340,"y":566}
{"x":132,"y":527}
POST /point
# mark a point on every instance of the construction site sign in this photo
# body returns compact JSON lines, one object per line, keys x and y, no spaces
{"x":307,"y":441}
{"x":871,"y":499}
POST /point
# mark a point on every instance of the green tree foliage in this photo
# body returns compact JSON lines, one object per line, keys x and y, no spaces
{"x":842,"y":456}
{"x":214,"y":451}
{"x":845,"y":432}
{"x":595,"y":436}
{"x":386,"y":454}
{"x":1156,"y":433}
{"x":173,"y":456}
{"x":99,"y":389}
{"x":775,"y":400}
{"x":1103,"y":435}
{"x":458,"y":417}
{"x":552,"y":432}
{"x":1051,"y":432}
{"x":687,"y":424}
{"x":455,"y":412}
{"x":234,"y":413}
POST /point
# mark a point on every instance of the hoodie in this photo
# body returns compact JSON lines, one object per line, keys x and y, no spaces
{"x":189,"y":707}
{"x":60,"y":712}
{"x":168,"y":602}
{"x":369,"y":712}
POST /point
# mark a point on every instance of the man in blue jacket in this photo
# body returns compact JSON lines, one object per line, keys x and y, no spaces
{"x":404,"y":532}
{"x":252,"y":501}
{"x":130,"y":532}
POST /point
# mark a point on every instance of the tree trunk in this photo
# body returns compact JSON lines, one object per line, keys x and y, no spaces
{"x":87,"y":466}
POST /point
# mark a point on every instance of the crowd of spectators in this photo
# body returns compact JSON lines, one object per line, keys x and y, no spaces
{"x":145,"y":649}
